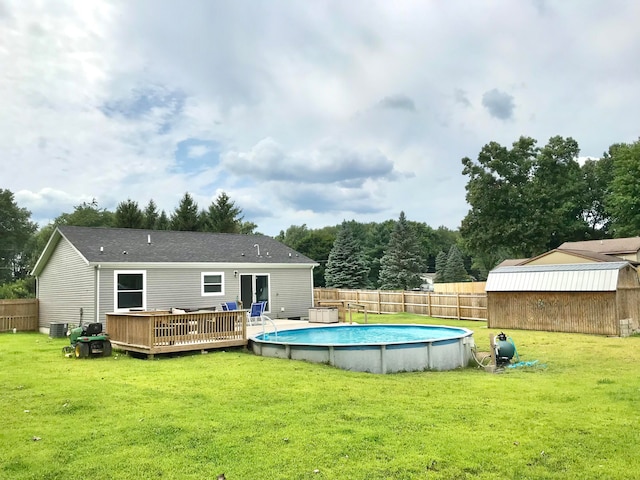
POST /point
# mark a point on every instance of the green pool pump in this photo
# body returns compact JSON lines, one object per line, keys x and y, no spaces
{"x":505,"y":349}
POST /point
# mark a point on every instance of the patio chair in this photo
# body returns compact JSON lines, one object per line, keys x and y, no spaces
{"x":229,"y":306}
{"x":255,"y":313}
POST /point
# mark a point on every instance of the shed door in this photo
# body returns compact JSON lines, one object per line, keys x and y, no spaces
{"x":254,"y":288}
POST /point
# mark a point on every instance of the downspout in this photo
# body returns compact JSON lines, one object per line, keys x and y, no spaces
{"x":97,"y":300}
{"x":313,"y":300}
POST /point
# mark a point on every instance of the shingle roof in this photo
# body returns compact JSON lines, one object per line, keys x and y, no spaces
{"x":110,"y":244}
{"x":610,"y":246}
{"x":556,"y":278}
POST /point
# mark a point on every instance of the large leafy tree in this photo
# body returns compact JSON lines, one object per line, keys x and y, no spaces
{"x":557,"y":197}
{"x":315,"y":244}
{"x":346,"y":266}
{"x":623,"y":199}
{"x":186,"y":217}
{"x":223,"y":216}
{"x":524,"y":200}
{"x":129,"y":215}
{"x":87,"y":215}
{"x":401,"y":264}
{"x":16,"y":228}
{"x":498,"y":193}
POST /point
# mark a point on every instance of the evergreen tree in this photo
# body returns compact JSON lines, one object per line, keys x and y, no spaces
{"x":441,"y":264}
{"x":454,"y":270}
{"x":163,"y":222}
{"x":223,"y":216}
{"x":346,"y":266}
{"x":248,"y":228}
{"x":401,"y":264}
{"x":186,"y":217}
{"x":128,"y":215}
{"x":150,"y":216}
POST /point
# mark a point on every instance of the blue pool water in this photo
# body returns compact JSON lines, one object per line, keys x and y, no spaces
{"x":363,"y":335}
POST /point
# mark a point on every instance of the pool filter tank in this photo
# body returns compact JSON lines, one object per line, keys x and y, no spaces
{"x":504,"y":349}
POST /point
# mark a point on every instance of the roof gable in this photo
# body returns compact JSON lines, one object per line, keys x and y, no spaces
{"x":557,"y":257}
{"x":607,"y":246}
{"x":125,"y":245}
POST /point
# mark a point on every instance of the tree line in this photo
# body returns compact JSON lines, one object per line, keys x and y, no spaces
{"x":524,"y":200}
{"x":21,"y":242}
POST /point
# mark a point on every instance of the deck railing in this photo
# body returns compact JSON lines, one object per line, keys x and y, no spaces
{"x":164,"y":332}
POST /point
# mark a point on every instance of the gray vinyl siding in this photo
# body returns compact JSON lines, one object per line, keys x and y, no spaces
{"x":290,"y":288}
{"x":65,"y":286}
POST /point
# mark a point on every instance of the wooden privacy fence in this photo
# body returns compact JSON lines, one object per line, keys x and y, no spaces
{"x":21,"y":314}
{"x":461,"y":306}
{"x":163,"y":332}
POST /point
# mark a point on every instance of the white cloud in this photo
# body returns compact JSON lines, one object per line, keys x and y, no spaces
{"x":318,"y":112}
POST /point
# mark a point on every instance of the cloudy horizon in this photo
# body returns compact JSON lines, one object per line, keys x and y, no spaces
{"x":302,"y":112}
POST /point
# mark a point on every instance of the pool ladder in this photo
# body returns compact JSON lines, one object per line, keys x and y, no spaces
{"x":263,"y":317}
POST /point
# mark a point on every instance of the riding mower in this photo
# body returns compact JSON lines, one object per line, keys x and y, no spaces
{"x":88,"y":341}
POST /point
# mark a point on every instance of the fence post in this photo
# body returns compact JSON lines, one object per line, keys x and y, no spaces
{"x":403,"y":301}
{"x":429,"y":302}
{"x":458,"y":304}
{"x":379,"y":310}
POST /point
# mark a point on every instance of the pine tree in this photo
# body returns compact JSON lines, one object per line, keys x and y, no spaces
{"x":441,"y":264}
{"x":346,"y":266}
{"x":186,"y":217}
{"x":401,"y":264}
{"x":128,"y":215}
{"x":223,"y":216}
{"x":454,"y":270}
{"x":150,"y":216}
{"x":163,"y":222}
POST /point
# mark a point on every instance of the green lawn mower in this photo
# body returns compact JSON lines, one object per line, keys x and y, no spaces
{"x":88,"y":341}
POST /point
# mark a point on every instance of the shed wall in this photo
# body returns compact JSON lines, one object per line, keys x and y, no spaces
{"x":65,"y":286}
{"x":575,"y":312}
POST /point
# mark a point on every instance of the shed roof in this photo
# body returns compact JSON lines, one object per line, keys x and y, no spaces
{"x":575,"y":277}
{"x":127,"y":245}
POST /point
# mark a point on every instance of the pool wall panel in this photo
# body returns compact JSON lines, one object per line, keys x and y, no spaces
{"x":446,"y":354}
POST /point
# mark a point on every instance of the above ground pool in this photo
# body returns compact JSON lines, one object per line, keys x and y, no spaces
{"x":371,"y":348}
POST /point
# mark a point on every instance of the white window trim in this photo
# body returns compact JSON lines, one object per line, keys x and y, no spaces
{"x":115,"y":288}
{"x":212,"y":294}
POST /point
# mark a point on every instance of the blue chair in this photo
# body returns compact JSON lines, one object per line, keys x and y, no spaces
{"x":229,"y":306}
{"x":254,"y":315}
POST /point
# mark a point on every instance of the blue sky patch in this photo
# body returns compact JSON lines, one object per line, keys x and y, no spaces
{"x":193,"y":155}
{"x":142,"y":102}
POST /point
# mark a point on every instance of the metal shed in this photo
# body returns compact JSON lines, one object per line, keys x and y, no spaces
{"x":596,"y":298}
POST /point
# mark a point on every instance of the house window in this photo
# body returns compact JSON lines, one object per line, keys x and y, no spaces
{"x":130,"y":289}
{"x":212,"y":283}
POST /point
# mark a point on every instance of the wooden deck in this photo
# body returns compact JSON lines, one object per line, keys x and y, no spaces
{"x":158,"y":332}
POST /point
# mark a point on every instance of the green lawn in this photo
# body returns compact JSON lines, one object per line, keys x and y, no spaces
{"x":195,"y":416}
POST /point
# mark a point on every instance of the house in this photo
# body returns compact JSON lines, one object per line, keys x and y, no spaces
{"x":622,"y":248}
{"x":566,"y":256}
{"x":84,"y":273}
{"x":598,"y":298}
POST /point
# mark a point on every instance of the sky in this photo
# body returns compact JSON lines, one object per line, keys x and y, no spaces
{"x":304,"y":112}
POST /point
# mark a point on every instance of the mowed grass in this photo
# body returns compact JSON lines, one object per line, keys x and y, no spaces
{"x":196,"y":416}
